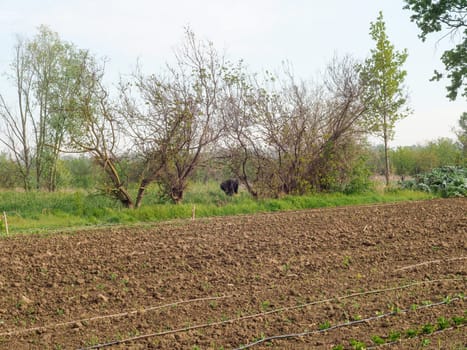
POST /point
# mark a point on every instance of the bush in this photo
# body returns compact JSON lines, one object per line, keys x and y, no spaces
{"x":448,"y":181}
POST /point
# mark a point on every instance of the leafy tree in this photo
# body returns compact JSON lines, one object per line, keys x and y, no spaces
{"x":435,"y":16}
{"x":8,"y":172}
{"x":44,"y":73}
{"x":384,"y":94}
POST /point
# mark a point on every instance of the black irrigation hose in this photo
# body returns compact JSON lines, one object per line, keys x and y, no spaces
{"x":418,"y":336}
{"x":346,"y":324}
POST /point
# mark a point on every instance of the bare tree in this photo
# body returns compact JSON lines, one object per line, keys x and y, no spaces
{"x":287,"y":136}
{"x":175,"y":116}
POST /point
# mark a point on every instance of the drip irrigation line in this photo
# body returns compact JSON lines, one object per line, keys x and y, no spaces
{"x":219,"y":323}
{"x":418,"y":336}
{"x":341,"y":325}
{"x":438,"y":261}
{"x":121,"y":314}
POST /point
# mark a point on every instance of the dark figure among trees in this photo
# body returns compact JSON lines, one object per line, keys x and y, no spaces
{"x":230,"y":187}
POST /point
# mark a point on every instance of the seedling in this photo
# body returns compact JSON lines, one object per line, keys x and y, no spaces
{"x":394,"y":336}
{"x":411,"y":333}
{"x":425,"y":342}
{"x":325,"y":325}
{"x":346,"y":262}
{"x":443,"y":323}
{"x":338,"y":347}
{"x":357,"y":345}
{"x":378,"y":340}
{"x":265,"y":305}
{"x":458,"y":320}
{"x":428,"y":328}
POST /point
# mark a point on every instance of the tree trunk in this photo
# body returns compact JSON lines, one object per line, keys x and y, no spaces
{"x":118,"y":190}
{"x":386,"y":152}
{"x":141,"y":192}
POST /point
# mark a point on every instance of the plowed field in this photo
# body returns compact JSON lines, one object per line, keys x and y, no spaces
{"x":313,"y":279}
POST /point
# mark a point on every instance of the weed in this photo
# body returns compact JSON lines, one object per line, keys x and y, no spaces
{"x":338,"y":347}
{"x":113,"y":276}
{"x":60,"y":312}
{"x":213,"y":304}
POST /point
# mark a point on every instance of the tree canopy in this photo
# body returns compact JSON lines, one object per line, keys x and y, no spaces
{"x":384,"y":92}
{"x":451,"y":16}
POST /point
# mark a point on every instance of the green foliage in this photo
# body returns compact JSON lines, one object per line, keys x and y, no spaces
{"x":8,"y":173}
{"x":449,"y":15}
{"x":324,"y":326}
{"x":428,"y":328}
{"x":447,"y":181}
{"x":412,"y":160}
{"x":378,"y":340}
{"x":384,"y":94}
{"x":36,"y":211}
{"x":357,"y":345}
{"x":443,"y":323}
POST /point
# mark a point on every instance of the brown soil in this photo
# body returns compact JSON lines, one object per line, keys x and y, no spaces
{"x":223,"y":282}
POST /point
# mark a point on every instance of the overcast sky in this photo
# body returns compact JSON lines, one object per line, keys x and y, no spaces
{"x":307,"y":33}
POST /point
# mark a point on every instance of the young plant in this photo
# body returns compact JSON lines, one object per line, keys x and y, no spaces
{"x":428,"y":328}
{"x":378,"y":340}
{"x":394,"y":336}
{"x":357,"y":345}
{"x":443,"y":323}
{"x":324,"y":326}
{"x":411,"y":333}
{"x":338,"y":347}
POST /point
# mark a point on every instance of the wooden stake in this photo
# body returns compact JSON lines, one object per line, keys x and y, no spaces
{"x":6,"y":222}
{"x":193,"y":213}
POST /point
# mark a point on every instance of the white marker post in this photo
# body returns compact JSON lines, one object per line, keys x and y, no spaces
{"x":6,"y":222}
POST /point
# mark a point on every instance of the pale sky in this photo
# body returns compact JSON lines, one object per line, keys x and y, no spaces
{"x":307,"y":33}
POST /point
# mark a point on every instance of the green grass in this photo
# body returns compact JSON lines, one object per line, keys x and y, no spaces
{"x":42,"y":211}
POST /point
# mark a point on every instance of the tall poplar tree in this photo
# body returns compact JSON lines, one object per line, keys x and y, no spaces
{"x":384,"y":93}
